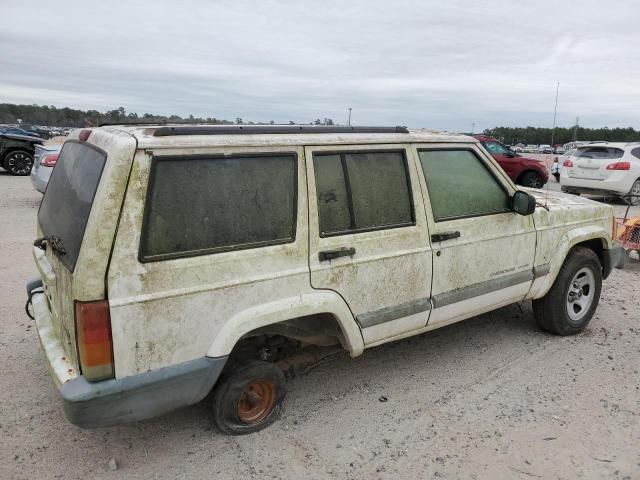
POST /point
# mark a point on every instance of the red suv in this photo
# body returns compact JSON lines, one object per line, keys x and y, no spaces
{"x":522,"y":170}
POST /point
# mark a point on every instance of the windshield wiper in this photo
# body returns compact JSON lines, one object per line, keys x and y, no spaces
{"x":54,"y":242}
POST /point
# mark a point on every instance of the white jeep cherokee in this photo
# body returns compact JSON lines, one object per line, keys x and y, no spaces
{"x":179,"y":259}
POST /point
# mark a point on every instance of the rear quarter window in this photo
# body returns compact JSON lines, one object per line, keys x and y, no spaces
{"x":67,"y":202}
{"x":201,"y":205}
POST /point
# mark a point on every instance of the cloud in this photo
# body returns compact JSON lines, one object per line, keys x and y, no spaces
{"x":437,"y":64}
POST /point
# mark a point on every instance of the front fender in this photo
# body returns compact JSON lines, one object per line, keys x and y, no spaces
{"x":322,"y":301}
{"x":569,"y":240}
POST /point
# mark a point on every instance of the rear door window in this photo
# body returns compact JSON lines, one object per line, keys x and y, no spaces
{"x":362,"y":191}
{"x":67,"y":202}
{"x":202,"y":205}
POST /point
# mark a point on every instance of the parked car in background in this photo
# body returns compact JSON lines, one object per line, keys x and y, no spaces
{"x":16,"y":152}
{"x":604,"y":168}
{"x":522,"y":170}
{"x":556,"y":166}
{"x":45,"y":159}
{"x":36,"y":131}
{"x":530,"y":149}
{"x":544,"y":148}
{"x":16,"y":131}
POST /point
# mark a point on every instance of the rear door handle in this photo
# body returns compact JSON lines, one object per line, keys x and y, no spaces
{"x":340,"y":252}
{"x":439,"y":237}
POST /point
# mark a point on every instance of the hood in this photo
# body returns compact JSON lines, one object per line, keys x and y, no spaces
{"x":549,"y":198}
{"x":23,"y":138}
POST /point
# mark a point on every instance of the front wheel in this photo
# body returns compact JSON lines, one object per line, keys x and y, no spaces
{"x":568,"y":306}
{"x":248,"y":398}
{"x":532,"y":179}
{"x":18,"y":162}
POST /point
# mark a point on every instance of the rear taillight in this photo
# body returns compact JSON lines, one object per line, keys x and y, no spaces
{"x":619,"y":166}
{"x":567,"y":163}
{"x":95,"y":347}
{"x":84,"y":135}
{"x":49,"y":161}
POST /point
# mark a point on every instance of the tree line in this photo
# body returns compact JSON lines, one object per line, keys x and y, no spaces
{"x":561,"y":135}
{"x":51,"y":116}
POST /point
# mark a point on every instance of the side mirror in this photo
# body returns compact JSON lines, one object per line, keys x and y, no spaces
{"x":523,"y":203}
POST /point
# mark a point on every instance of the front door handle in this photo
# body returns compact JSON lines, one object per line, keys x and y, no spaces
{"x":340,"y":252}
{"x":439,"y":237}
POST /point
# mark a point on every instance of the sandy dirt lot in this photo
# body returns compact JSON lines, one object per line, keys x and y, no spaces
{"x":489,"y":398}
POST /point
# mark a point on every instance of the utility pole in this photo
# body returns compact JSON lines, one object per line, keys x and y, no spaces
{"x":473,"y":128}
{"x":555,"y":111}
{"x":575,"y":129}
{"x":349,"y":120}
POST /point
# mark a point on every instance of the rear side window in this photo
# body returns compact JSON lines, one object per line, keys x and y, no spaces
{"x":360,"y":192}
{"x":197,"y":206}
{"x":600,"y":153}
{"x":460,"y":185}
{"x":636,"y":152}
{"x":67,"y":202}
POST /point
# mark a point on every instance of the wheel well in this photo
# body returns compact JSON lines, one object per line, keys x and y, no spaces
{"x":13,"y":149}
{"x":523,"y":173}
{"x":283,"y":339}
{"x":596,"y":245}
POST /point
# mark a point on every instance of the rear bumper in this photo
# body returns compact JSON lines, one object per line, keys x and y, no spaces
{"x":120,"y":400}
{"x":40,"y":178}
{"x":616,"y":186}
{"x":129,"y":399}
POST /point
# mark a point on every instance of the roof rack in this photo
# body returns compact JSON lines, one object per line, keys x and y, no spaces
{"x":166,"y":131}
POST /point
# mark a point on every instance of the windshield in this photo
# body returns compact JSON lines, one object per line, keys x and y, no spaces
{"x":69,"y":196}
{"x":496,"y":148}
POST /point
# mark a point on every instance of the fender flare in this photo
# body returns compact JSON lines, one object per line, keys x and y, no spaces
{"x":569,"y":240}
{"x":322,"y":301}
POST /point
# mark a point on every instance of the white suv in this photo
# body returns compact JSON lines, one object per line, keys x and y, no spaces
{"x":608,"y":168}
{"x":177,"y":260}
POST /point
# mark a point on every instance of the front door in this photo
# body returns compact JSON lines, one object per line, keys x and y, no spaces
{"x":483,"y":251}
{"x":368,"y":235}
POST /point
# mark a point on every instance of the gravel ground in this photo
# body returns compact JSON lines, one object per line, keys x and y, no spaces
{"x":489,"y":398}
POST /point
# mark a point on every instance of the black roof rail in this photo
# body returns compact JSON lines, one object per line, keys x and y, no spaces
{"x":166,"y":131}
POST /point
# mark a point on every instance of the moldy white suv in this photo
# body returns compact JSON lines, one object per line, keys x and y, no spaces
{"x":177,"y":260}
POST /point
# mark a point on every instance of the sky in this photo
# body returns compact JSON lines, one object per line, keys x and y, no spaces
{"x":438,"y":64}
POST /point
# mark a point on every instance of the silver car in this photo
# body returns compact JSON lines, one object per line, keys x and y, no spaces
{"x":44,"y":160}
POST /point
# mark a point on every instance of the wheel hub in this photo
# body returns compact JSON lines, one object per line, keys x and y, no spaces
{"x":580,"y":295}
{"x":256,"y":401}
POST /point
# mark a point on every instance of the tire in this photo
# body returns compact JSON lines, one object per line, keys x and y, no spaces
{"x":18,"y":162}
{"x":248,"y":398}
{"x":532,"y":180}
{"x":635,"y":190}
{"x":563,"y":310}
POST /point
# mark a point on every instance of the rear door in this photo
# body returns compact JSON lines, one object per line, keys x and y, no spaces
{"x":591,"y":162}
{"x":368,"y":235}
